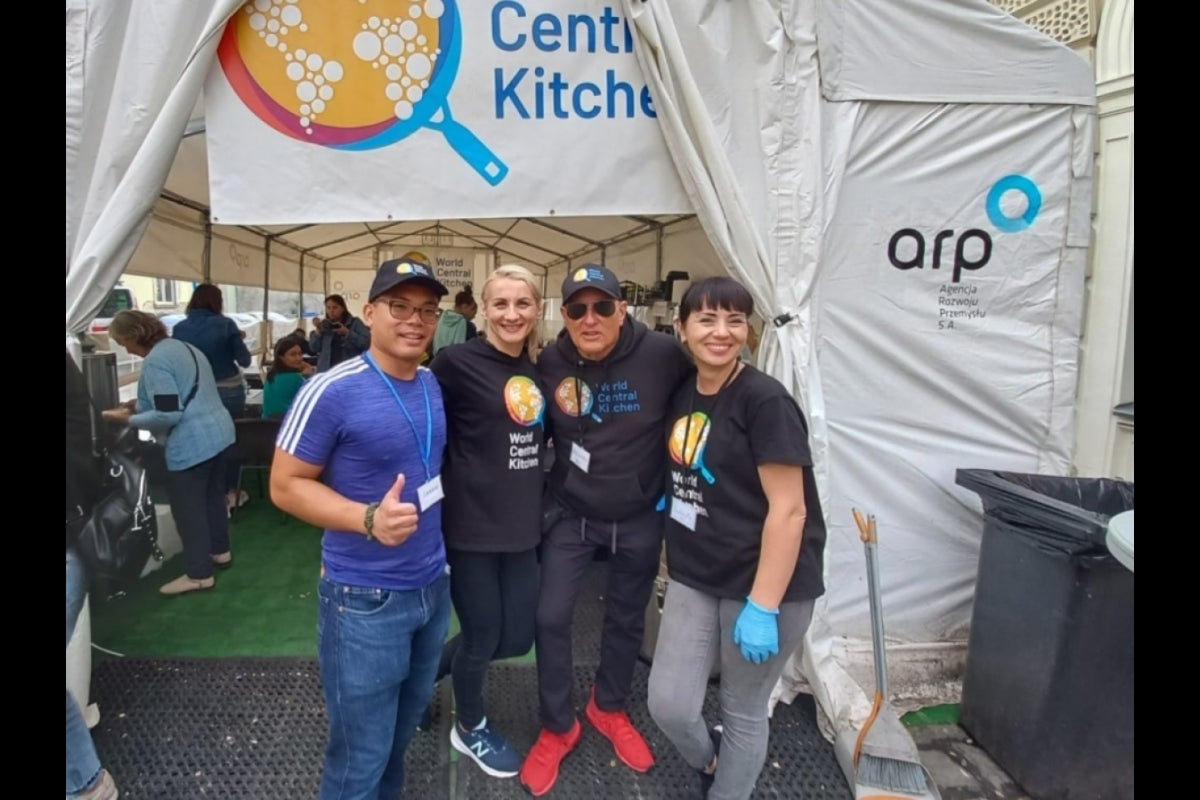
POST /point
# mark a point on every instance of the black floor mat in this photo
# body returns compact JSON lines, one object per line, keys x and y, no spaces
{"x":254,"y":729}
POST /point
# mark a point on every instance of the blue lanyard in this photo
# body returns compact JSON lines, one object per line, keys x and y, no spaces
{"x":428,"y":414}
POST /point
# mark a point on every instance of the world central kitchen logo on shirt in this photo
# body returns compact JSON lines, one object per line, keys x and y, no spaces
{"x":1012,"y":205}
{"x":687,"y":445}
{"x":352,"y":76}
{"x":525,"y":405}
{"x":575,"y":398}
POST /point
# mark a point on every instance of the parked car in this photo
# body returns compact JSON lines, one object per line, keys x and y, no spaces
{"x":121,"y":298}
{"x":171,"y":320}
{"x":280,"y":325}
{"x":250,"y":326}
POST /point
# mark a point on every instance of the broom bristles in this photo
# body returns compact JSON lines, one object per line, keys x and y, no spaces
{"x":888,"y":773}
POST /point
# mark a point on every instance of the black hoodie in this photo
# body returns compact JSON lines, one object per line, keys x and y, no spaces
{"x":626,"y":398}
{"x":495,"y":439}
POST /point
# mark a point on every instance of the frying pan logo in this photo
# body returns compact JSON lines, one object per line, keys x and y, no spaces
{"x":355,"y":76}
{"x":575,"y":399}
{"x":523,"y":400}
{"x":689,"y":440}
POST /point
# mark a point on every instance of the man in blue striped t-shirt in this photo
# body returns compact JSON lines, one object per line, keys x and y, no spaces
{"x":359,"y":454}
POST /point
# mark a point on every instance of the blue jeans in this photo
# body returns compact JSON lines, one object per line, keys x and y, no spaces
{"x":234,"y":400}
{"x":379,"y":652}
{"x":83,"y":765}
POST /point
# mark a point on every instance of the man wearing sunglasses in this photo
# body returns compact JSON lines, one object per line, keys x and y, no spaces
{"x":611,"y":379}
{"x":360,"y":455}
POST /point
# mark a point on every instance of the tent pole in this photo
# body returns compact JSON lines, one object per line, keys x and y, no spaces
{"x":658,"y":255}
{"x":302,"y":254}
{"x":206,"y":254}
{"x":264,"y":327}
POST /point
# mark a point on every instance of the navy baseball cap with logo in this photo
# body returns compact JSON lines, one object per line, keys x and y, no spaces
{"x":409,"y":267}
{"x":591,"y":276}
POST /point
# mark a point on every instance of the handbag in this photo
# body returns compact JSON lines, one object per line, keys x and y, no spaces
{"x":120,"y":533}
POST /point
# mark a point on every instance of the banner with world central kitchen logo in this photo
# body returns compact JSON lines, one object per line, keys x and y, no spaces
{"x":336,"y":111}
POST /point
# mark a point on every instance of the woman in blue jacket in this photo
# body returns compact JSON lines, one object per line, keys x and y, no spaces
{"x":223,"y":343}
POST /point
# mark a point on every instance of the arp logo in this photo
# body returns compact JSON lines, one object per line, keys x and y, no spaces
{"x":973,"y":247}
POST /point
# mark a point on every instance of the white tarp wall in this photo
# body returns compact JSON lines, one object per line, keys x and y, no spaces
{"x":952,"y":135}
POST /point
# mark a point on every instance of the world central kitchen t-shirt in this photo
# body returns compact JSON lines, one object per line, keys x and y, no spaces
{"x":495,"y":412}
{"x":752,"y":421}
{"x":348,"y":421}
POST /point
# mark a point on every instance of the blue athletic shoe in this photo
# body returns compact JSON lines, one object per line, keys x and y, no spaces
{"x":487,"y":749}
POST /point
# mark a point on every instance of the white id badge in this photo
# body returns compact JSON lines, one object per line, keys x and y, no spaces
{"x":430,"y":492}
{"x":580,"y":457}
{"x":684,"y":513}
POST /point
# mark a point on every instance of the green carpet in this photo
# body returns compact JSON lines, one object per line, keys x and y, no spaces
{"x":265,"y":605}
{"x":932,"y":715}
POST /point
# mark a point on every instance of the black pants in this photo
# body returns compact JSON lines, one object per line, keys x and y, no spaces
{"x":494,"y":595}
{"x":567,"y":551}
{"x":197,"y":497}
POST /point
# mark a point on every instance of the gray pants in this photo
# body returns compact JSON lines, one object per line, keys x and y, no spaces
{"x":696,"y":630}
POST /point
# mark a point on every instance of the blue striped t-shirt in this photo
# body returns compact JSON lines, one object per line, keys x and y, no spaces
{"x":348,"y":421}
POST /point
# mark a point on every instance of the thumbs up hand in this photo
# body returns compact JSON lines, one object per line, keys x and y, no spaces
{"x":395,"y":520}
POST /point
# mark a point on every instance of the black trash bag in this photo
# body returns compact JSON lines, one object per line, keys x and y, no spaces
{"x":1063,"y":514}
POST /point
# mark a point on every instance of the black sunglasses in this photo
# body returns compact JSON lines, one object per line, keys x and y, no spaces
{"x":603,"y":308}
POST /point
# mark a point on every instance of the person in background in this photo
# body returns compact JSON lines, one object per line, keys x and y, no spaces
{"x":86,"y":778}
{"x":610,"y":379}
{"x":360,"y":455}
{"x":338,"y":337}
{"x":457,"y":326}
{"x":285,"y":374}
{"x":177,"y":401}
{"x":305,"y":349}
{"x":745,"y":544}
{"x":221,"y":341}
{"x":492,"y":520}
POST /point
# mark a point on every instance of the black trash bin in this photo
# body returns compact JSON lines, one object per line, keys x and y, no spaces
{"x":1048,"y":688}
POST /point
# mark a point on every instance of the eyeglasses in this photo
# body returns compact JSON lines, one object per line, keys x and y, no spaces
{"x":400,"y":311}
{"x":603,"y":308}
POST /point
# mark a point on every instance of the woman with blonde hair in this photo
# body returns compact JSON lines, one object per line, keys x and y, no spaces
{"x":492,"y":514}
{"x":177,"y":401}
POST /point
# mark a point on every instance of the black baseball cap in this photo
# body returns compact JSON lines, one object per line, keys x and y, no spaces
{"x":409,"y":267}
{"x":591,"y":276}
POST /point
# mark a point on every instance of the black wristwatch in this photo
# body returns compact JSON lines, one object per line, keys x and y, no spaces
{"x":369,"y":519}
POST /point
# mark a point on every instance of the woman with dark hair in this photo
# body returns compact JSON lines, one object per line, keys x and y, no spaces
{"x":178,"y":402}
{"x":340,"y":336}
{"x":285,"y":376}
{"x":223,"y":343}
{"x":745,"y":544}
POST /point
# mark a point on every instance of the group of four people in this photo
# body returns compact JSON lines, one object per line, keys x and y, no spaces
{"x":429,"y":484}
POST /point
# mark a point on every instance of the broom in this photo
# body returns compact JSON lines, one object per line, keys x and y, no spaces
{"x":885,"y":755}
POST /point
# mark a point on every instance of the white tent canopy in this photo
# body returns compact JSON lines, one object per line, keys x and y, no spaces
{"x":905,"y":189}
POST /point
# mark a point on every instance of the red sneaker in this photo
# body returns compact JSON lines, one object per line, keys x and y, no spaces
{"x":540,"y":770}
{"x":616,"y":727}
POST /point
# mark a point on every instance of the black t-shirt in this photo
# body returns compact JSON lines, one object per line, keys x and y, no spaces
{"x":495,"y":438}
{"x":624,"y":399}
{"x":752,"y":421}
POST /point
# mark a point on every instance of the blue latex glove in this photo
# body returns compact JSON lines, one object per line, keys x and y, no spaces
{"x":756,"y":632}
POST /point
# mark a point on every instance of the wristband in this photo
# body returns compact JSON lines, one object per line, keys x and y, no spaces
{"x":369,"y":519}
